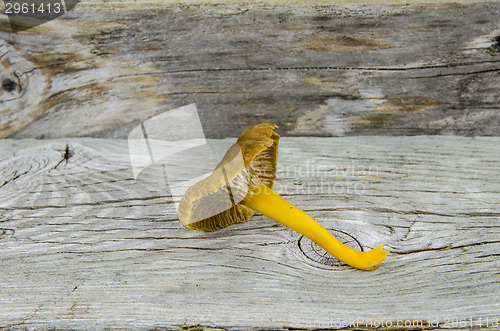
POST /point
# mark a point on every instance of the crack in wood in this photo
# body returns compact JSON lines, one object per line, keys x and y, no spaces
{"x":95,"y":203}
{"x":406,"y":212}
{"x":443,"y":248}
{"x":7,"y":233}
{"x":458,"y":73}
{"x":68,"y":153}
{"x":409,"y":230}
{"x":334,"y":68}
{"x":15,"y":176}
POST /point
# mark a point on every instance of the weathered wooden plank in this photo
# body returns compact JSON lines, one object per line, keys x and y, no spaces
{"x":83,"y":245}
{"x":315,"y":70}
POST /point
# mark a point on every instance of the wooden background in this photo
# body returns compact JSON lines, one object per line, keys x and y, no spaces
{"x":85,"y":246}
{"x":322,"y":70}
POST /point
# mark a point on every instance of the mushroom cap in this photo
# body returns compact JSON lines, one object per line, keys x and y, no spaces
{"x":216,"y":201}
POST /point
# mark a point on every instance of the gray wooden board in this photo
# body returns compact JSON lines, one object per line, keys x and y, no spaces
{"x":84,"y":245}
{"x":316,"y":70}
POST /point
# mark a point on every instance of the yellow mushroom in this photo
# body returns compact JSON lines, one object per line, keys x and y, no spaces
{"x":242,"y":183}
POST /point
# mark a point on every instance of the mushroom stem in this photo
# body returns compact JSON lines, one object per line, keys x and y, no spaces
{"x":269,"y":203}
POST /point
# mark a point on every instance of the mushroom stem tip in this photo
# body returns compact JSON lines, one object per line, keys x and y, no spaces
{"x":269,"y":203}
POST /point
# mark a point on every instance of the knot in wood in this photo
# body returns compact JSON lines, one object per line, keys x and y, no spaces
{"x":321,"y":258}
{"x":8,"y":85}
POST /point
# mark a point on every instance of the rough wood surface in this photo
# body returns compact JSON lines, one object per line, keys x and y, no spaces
{"x":322,"y":70}
{"x":83,"y":245}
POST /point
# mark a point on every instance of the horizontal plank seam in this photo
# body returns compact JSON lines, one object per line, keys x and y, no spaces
{"x":361,"y":68}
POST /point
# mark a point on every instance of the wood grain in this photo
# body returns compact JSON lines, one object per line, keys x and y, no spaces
{"x":83,"y":245}
{"x":316,"y":70}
